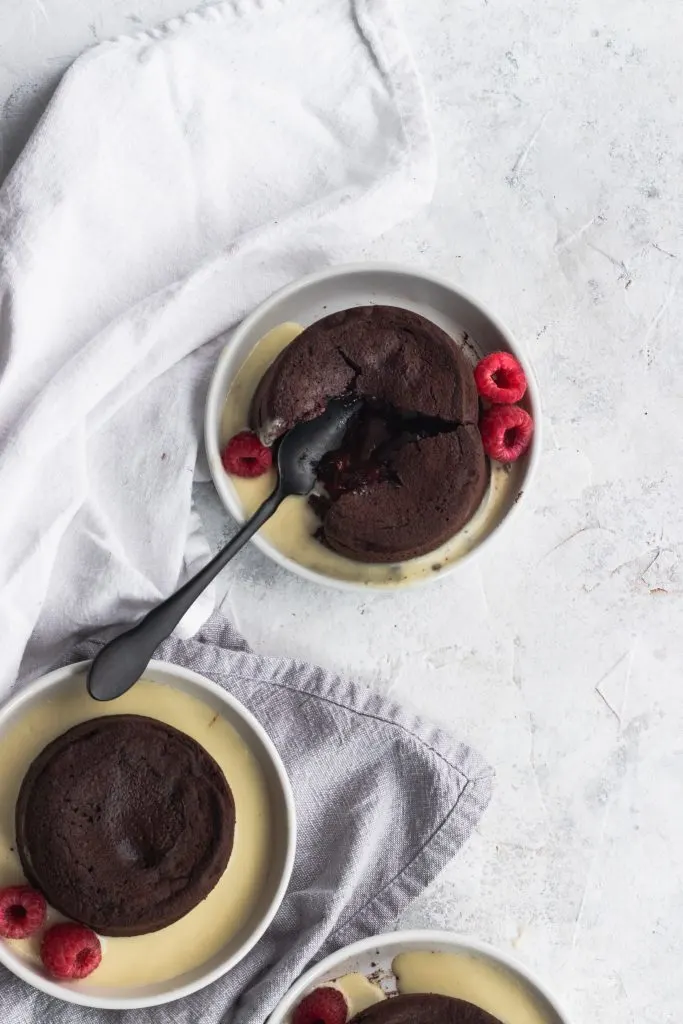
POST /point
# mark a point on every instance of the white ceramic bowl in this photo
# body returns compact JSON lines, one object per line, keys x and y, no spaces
{"x":282,"y":852}
{"x":374,"y":956}
{"x":341,"y":287}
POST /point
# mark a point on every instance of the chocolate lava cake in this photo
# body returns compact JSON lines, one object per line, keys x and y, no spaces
{"x":411,"y":471}
{"x":125,"y":824}
{"x":424,"y":1008}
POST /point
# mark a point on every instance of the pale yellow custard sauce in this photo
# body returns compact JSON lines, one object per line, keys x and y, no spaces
{"x":464,"y":976}
{"x":486,"y":984}
{"x":292,"y":529}
{"x":205,"y":930}
{"x":360,"y":992}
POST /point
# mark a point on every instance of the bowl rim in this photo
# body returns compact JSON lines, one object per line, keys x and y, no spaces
{"x":81,"y":997}
{"x":216,"y":398}
{"x":408,"y":940}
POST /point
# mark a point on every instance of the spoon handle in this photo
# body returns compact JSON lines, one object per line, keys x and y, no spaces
{"x":122,"y":661}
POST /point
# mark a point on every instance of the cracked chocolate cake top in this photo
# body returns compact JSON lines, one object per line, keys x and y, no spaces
{"x":383,"y":352}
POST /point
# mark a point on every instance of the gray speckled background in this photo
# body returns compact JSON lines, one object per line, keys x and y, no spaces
{"x":560,"y":203}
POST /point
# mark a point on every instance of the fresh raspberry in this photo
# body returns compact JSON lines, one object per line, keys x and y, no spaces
{"x":244,"y":455}
{"x":500,"y":378}
{"x":506,"y":432}
{"x":70,"y":951}
{"x":22,"y":911}
{"x":323,"y":1005}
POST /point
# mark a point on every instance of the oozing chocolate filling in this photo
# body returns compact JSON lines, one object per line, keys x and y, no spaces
{"x":368,"y":452}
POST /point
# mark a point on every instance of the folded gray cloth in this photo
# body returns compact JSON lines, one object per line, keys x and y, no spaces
{"x":384,"y":801}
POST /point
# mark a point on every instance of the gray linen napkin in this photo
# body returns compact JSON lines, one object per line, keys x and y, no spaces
{"x":384,"y":801}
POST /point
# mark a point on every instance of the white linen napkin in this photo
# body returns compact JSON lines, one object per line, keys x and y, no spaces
{"x":177,"y":178}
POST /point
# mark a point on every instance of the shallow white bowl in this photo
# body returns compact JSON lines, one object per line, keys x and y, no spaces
{"x":282,"y":853}
{"x":374,"y":956}
{"x":338,"y":288}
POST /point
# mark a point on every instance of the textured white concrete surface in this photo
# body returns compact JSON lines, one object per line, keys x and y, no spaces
{"x":559,"y":202}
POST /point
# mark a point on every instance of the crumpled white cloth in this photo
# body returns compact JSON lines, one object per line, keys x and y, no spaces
{"x":177,"y":178}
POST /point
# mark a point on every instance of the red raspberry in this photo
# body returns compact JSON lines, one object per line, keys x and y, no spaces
{"x":506,"y":432}
{"x":323,"y":1005}
{"x":244,"y":455}
{"x":70,"y":951}
{"x":500,"y":378}
{"x":22,"y":911}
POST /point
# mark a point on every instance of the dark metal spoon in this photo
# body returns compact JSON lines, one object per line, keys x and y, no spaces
{"x":123,"y":660}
